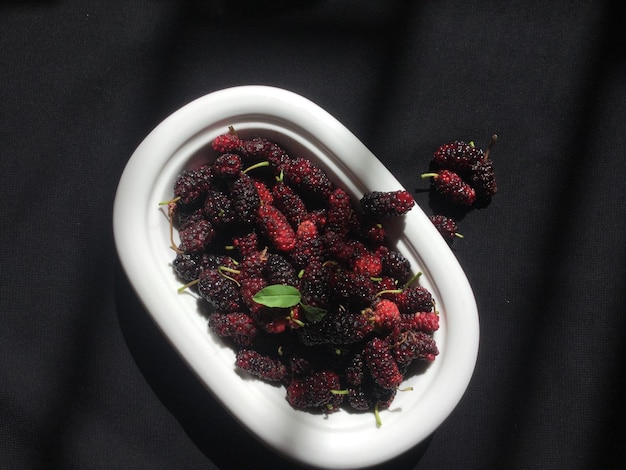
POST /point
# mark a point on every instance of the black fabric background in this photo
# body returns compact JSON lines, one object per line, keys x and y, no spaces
{"x":88,"y":382}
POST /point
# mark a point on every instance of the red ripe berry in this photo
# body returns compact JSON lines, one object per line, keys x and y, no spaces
{"x":226,"y":143}
{"x":385,"y":315}
{"x":275,"y":226}
{"x":265,"y":194}
{"x":263,"y":149}
{"x":447,"y":227}
{"x":452,"y":187}
{"x":248,"y":288}
{"x":309,"y":246}
{"x":315,"y":391}
{"x":428,"y":322}
{"x":259,"y":365}
{"x":387,"y":203}
{"x":381,"y":364}
{"x":238,"y":326}
{"x":367,"y":263}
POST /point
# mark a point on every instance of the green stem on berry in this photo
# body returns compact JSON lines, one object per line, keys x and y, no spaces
{"x":224,"y":269}
{"x":379,"y":422}
{"x":458,"y":235}
{"x":186,"y":286}
{"x":256,"y":165}
{"x":412,"y":280}
{"x":340,"y":392}
{"x":388,"y":291}
{"x":430,"y":175}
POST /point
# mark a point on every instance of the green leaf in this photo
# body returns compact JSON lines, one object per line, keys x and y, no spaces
{"x":278,"y":295}
{"x":313,"y":314}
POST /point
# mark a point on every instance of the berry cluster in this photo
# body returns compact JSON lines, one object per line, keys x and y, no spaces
{"x":462,"y":178}
{"x":300,"y":279}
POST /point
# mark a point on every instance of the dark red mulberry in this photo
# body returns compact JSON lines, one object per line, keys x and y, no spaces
{"x":196,"y":236}
{"x":408,"y":346}
{"x":457,"y":156}
{"x":451,"y":186}
{"x":308,"y":178}
{"x":260,"y":365}
{"x":238,"y":326}
{"x":387,"y":203}
{"x":315,"y":391}
{"x":446,"y":226}
{"x":219,"y":291}
{"x":339,"y":212}
{"x":427,"y":322}
{"x":218,"y":209}
{"x":227,"y":165}
{"x":381,"y":364}
{"x":227,"y":142}
{"x":191,"y":185}
{"x":289,"y":203}
{"x":338,"y":327}
{"x":245,"y":199}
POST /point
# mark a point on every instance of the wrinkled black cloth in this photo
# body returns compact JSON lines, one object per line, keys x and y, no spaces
{"x":86,"y":379}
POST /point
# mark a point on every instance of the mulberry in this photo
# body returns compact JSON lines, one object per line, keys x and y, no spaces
{"x":289,"y":203}
{"x":452,"y":187}
{"x":457,"y":156}
{"x":196,"y":236}
{"x":387,"y":203}
{"x":191,"y":185}
{"x":259,"y":365}
{"x":227,"y":165}
{"x":408,"y":346}
{"x":245,"y":199}
{"x":308,"y":178}
{"x":276,"y":227}
{"x":218,"y":209}
{"x":315,"y":391}
{"x":219,"y":291}
{"x":446,"y":226}
{"x":238,"y":326}
{"x":381,"y":364}
{"x":227,"y":142}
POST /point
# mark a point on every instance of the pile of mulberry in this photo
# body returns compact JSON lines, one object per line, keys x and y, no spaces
{"x":258,"y":218}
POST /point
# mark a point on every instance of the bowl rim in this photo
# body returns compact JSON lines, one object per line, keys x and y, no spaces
{"x":137,"y":224}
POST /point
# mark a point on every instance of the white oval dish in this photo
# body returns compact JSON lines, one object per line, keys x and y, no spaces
{"x":342,"y":440}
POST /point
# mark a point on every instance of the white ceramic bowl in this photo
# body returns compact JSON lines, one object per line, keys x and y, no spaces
{"x":342,"y":440}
